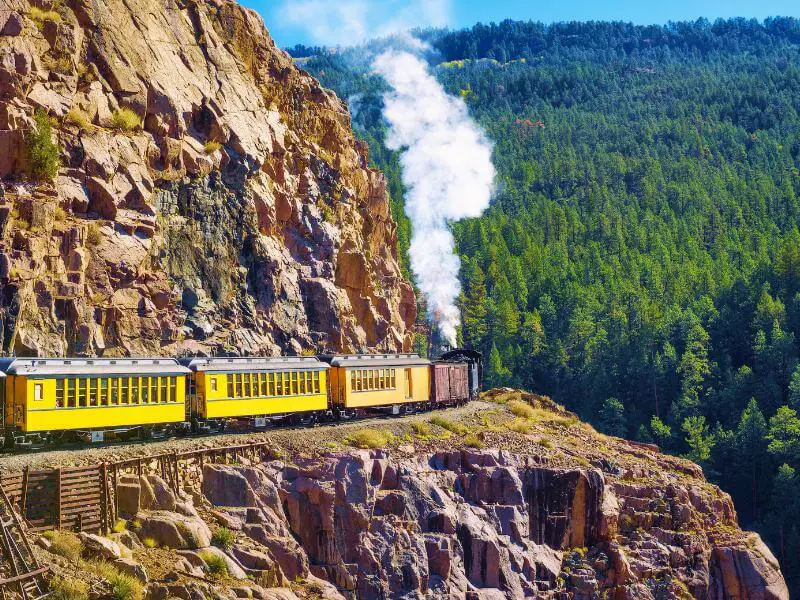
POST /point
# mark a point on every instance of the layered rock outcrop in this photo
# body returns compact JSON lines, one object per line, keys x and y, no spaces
{"x":211,"y":195}
{"x":561,"y":512}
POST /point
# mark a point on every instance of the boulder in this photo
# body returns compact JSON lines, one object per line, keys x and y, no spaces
{"x":175,"y":531}
{"x":132,"y":568}
{"x":96,"y":546}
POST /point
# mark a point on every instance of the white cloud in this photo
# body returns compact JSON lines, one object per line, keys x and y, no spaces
{"x":349,"y":22}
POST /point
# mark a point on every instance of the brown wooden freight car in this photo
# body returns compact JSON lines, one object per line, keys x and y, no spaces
{"x":450,"y":383}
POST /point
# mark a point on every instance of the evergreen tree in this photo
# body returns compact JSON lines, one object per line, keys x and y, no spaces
{"x":612,"y":418}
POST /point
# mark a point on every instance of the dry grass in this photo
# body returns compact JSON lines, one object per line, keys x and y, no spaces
{"x":124,"y":119}
{"x":521,"y":409}
{"x":449,"y":425}
{"x":64,"y":543}
{"x":77,"y":117}
{"x":93,"y":235}
{"x":367,"y":439}
{"x":473,"y":441}
{"x":123,"y":586}
{"x":420,"y":428}
{"x":39,"y":15}
{"x":119,"y":526}
{"x":519,"y":426}
{"x":217,"y":567}
{"x":211,"y":146}
{"x":68,"y":588}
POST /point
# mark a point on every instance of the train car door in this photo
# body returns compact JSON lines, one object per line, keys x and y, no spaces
{"x":408,"y":383}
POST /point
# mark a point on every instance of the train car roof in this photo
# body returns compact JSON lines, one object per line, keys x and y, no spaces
{"x":91,"y":366}
{"x":348,"y":361}
{"x":254,"y":363}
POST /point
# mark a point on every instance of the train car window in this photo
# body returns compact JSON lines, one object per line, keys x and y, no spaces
{"x":164,"y":397}
{"x":173,"y":389}
{"x":135,"y":394}
{"x":279,"y":384}
{"x":230,"y":385}
{"x":270,"y":384}
{"x":154,"y":389}
{"x":317,"y":387}
{"x":213,"y":382}
{"x":82,"y":391}
{"x":145,"y":390}
{"x":59,"y":393}
{"x":302,"y":389}
{"x":103,"y":392}
{"x":114,"y":395}
{"x":262,"y":384}
{"x":394,"y":379}
{"x":91,"y":392}
{"x":69,"y":389}
{"x":38,"y":391}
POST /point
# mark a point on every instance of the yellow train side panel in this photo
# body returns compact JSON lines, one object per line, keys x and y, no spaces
{"x":43,"y":415}
{"x":419,"y":392}
{"x":217,"y":404}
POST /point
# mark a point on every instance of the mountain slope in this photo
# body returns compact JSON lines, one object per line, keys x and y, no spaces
{"x":211,"y":196}
{"x":640,"y":261}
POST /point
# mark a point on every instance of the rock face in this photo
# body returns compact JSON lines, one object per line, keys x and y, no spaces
{"x":488,"y":524}
{"x":233,"y":211}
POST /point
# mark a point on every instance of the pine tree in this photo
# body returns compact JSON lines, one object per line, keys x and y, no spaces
{"x":612,"y":418}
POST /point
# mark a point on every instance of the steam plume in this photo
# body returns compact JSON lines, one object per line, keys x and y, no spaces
{"x":447,"y":169}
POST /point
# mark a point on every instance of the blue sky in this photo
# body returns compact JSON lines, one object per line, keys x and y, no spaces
{"x":351,"y":21}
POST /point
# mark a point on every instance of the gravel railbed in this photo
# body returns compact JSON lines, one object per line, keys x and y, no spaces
{"x":291,"y":440}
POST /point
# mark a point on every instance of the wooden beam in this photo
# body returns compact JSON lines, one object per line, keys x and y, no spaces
{"x":24,"y":576}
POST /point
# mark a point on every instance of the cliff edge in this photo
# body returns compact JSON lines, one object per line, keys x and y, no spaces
{"x":511,"y":497}
{"x":209,"y":195}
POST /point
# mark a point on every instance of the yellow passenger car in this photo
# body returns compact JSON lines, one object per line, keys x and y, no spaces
{"x":374,"y":380}
{"x":91,"y":396}
{"x":256,"y":387}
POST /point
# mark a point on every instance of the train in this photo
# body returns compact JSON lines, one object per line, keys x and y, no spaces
{"x":45,"y":401}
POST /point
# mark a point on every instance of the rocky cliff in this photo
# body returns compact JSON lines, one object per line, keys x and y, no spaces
{"x":561,"y":512}
{"x":211,"y":196}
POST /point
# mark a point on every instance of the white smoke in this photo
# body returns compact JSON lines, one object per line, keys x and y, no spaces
{"x":447,"y":169}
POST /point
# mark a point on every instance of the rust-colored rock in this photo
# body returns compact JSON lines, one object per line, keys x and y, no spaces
{"x":241,"y":189}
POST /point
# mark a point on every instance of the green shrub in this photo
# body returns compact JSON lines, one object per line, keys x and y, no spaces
{"x":42,"y":152}
{"x":124,"y":119}
{"x":125,"y":587}
{"x":217,"y":567}
{"x":64,"y":543}
{"x":546,"y":443}
{"x":211,"y":146}
{"x":521,"y":409}
{"x":68,"y":588}
{"x":223,"y":538}
{"x":368,"y":438}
